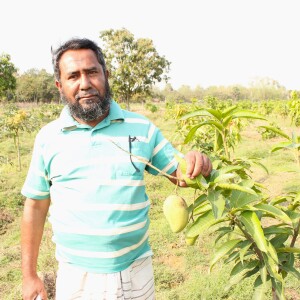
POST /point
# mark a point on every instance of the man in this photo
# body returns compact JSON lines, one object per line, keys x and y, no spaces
{"x":90,"y":162}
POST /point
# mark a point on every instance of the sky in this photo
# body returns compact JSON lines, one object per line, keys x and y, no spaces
{"x":208,"y":42}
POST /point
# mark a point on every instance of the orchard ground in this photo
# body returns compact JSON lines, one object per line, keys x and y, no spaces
{"x":181,"y":271}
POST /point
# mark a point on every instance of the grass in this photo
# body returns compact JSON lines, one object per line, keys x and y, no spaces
{"x":181,"y":271}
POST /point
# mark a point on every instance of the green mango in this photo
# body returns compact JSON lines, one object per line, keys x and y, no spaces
{"x":190,"y":241}
{"x":198,"y":182}
{"x":176,"y":212}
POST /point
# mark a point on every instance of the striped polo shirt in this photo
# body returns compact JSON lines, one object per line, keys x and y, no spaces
{"x":99,"y":207}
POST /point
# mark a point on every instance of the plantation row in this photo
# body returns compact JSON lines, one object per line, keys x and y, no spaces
{"x":255,"y":233}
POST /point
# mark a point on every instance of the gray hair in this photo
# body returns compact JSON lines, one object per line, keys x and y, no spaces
{"x":75,"y":44}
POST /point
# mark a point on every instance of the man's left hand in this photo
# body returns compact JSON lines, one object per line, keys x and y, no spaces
{"x":197,"y":163}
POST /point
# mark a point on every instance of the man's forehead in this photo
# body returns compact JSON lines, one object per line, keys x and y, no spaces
{"x":77,"y":59}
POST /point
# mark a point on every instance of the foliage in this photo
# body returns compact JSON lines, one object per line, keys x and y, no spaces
{"x":254,"y":232}
{"x":14,"y":121}
{"x":7,"y":75}
{"x":268,"y":133}
{"x":134,"y":64}
{"x":292,"y":143}
{"x":294,"y":108}
{"x":226,"y":125}
{"x":36,"y":86}
{"x":153,"y":108}
{"x":180,"y":270}
{"x":264,"y":88}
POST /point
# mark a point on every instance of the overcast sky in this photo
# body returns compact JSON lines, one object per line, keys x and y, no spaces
{"x":208,"y":42}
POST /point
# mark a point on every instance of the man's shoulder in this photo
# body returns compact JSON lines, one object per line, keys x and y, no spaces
{"x":135,"y":115}
{"x":49,"y":130}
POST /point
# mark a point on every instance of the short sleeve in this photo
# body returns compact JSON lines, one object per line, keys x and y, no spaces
{"x":37,"y":184}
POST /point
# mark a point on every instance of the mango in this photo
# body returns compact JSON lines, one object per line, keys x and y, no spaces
{"x":197,"y":183}
{"x":176,"y":212}
{"x":190,"y":241}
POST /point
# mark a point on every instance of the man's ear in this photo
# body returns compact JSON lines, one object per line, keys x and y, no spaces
{"x":107,"y":74}
{"x":58,"y":84}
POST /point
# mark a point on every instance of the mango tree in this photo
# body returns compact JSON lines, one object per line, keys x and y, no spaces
{"x":134,"y":64}
{"x":254,"y":233}
{"x":7,"y":75}
{"x":12,"y":122}
{"x":292,"y":142}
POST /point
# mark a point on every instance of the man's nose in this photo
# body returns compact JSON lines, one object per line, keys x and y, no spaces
{"x":85,"y":82}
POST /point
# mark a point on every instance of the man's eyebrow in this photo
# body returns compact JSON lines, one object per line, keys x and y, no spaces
{"x":84,"y":70}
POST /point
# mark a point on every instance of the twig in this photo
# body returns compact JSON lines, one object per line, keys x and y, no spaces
{"x":146,"y":162}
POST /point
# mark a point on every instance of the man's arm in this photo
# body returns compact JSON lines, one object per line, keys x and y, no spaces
{"x":32,"y":227}
{"x":197,"y":163}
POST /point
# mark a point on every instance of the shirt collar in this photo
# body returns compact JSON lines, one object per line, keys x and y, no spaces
{"x":68,"y":123}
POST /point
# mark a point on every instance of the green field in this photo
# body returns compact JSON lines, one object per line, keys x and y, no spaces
{"x":181,"y":271}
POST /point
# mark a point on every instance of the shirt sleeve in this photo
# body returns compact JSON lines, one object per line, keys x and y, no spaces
{"x":37,"y":184}
{"x":162,"y":154}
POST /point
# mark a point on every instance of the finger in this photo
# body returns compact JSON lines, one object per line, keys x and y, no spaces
{"x":195,"y":164}
{"x":190,"y":162}
{"x":207,"y":167}
{"x":199,"y":165}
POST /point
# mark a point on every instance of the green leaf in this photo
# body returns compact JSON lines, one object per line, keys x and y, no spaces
{"x":289,"y":250}
{"x":239,"y":277}
{"x":200,"y":200}
{"x":217,"y":201}
{"x":240,"y":199}
{"x":294,"y":216}
{"x":228,"y":169}
{"x":194,"y":129}
{"x":224,"y":177}
{"x":248,"y":115}
{"x":201,"y":209}
{"x":278,"y":287}
{"x":259,"y":164}
{"x":232,"y":186}
{"x":253,"y":227}
{"x":272,"y":267}
{"x":222,"y":251}
{"x":245,"y":245}
{"x":222,"y":232}
{"x":277,"y":229}
{"x":260,"y":289}
{"x":276,"y":130}
{"x":202,"y":223}
{"x":280,"y":146}
{"x":243,"y":267}
{"x":216,"y":113}
{"x":218,"y":141}
{"x":279,"y":240}
{"x":227,"y":112}
{"x":202,"y":113}
{"x":291,"y":270}
{"x":272,"y":253}
{"x":274,"y":211}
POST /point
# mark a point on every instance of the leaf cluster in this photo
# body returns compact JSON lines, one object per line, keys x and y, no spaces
{"x":254,"y":233}
{"x":134,"y":64}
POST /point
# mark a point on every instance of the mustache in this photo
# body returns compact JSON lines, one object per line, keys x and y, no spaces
{"x":85,"y":94}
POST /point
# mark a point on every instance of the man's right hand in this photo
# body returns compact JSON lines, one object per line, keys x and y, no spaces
{"x":32,"y":287}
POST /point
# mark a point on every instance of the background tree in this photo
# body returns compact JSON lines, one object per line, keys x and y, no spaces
{"x":134,"y":64}
{"x":36,"y":86}
{"x":7,"y":75}
{"x":267,"y":88}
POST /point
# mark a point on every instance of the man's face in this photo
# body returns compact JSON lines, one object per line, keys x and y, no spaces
{"x":83,"y":85}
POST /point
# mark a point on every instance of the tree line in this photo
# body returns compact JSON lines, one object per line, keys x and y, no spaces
{"x":136,"y":68}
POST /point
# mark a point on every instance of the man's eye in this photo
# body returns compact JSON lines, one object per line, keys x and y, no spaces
{"x":92,"y":72}
{"x":74,"y":76}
